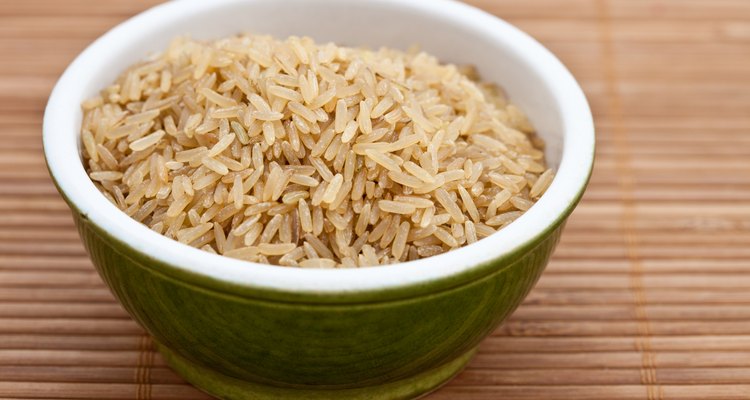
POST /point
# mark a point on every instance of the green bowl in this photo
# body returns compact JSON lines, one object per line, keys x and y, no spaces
{"x":240,"y":330}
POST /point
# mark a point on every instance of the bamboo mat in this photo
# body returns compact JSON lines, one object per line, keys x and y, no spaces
{"x":647,"y":297}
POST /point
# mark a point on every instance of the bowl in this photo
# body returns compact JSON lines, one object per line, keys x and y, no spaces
{"x":240,"y":330}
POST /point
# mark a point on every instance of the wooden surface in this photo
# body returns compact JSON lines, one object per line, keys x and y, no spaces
{"x":648,"y":295}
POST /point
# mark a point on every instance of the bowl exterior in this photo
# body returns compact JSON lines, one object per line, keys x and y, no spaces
{"x":221,"y":337}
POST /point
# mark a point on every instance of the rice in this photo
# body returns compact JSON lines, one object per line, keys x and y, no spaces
{"x":313,"y":156}
{"x":396,"y":207}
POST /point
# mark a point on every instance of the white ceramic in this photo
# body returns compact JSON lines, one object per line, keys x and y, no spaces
{"x":534,"y":79}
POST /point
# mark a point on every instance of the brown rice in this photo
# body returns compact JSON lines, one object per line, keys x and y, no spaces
{"x":311,"y":155}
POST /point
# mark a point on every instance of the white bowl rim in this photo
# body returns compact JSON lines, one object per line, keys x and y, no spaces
{"x":565,"y":191}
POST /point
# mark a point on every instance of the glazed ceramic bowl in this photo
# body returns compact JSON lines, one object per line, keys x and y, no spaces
{"x":240,"y":330}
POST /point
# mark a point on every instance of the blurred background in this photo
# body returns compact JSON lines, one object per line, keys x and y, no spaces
{"x":647,"y":297}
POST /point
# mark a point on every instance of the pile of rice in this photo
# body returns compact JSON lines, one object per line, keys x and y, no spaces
{"x":300,"y":154}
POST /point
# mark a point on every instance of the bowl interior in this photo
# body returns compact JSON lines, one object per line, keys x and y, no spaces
{"x":532,"y":77}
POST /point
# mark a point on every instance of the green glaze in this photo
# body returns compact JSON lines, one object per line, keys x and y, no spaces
{"x":231,"y":388}
{"x":240,"y":342}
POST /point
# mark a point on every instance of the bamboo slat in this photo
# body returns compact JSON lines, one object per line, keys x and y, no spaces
{"x":647,"y":297}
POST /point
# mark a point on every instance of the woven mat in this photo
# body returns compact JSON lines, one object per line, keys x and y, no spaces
{"x":648,"y":295}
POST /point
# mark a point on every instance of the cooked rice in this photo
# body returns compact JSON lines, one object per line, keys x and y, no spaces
{"x":311,"y":155}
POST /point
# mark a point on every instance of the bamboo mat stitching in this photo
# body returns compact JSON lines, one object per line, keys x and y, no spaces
{"x":143,"y":368}
{"x":625,"y":182}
